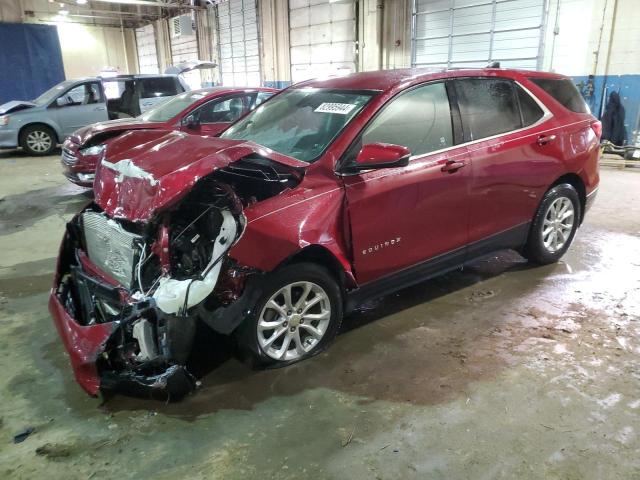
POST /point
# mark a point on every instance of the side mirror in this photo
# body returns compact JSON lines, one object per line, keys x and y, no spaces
{"x":191,"y":121}
{"x":63,"y":101}
{"x":380,"y":155}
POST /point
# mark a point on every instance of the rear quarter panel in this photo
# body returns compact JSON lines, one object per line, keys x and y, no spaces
{"x":579,"y":143}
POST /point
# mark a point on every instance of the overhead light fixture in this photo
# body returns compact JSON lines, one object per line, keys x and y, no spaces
{"x":64,"y":13}
{"x":81,"y":2}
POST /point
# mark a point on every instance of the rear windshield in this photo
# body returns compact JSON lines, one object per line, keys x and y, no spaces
{"x":564,"y":91}
{"x":158,"y":87}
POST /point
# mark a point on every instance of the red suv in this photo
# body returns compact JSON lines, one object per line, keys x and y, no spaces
{"x":332,"y":192}
{"x":207,"y":111}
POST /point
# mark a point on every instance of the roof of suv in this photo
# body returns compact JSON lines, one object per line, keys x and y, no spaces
{"x":387,"y":79}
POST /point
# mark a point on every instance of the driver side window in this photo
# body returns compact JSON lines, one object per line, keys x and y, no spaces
{"x":84,"y":94}
{"x":419,"y":119}
{"x":221,"y":110}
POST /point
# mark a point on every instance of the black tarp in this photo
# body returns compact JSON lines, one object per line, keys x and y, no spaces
{"x":30,"y":60}
{"x":613,"y":121}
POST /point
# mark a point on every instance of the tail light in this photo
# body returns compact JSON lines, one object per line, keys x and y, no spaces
{"x":597,"y":128}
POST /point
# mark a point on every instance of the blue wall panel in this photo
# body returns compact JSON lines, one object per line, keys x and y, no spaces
{"x":628,"y":86}
{"x":30,"y":60}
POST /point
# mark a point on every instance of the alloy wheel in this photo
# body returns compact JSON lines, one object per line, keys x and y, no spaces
{"x":558,"y":224}
{"x":293,"y":321}
{"x":39,"y":141}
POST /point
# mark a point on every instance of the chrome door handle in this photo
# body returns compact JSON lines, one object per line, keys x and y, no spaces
{"x":99,"y":109}
{"x":452,"y":166}
{"x":545,"y":139}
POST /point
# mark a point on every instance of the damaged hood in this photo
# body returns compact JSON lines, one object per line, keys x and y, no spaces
{"x":15,"y":105}
{"x":85,"y":134}
{"x":135,"y":182}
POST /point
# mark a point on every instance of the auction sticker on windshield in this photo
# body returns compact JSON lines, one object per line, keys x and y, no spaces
{"x":341,"y":108}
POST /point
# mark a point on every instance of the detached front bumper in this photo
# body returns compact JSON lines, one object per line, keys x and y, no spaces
{"x":105,"y":357}
{"x":83,"y":343}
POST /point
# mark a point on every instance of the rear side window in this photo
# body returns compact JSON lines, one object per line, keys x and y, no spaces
{"x":158,"y":87}
{"x":564,"y":91}
{"x":531,"y":111}
{"x":488,"y":106}
{"x":419,"y":119}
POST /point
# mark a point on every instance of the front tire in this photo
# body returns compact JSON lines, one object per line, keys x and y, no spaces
{"x":554,"y":225}
{"x":295,"y":318}
{"x":38,"y":140}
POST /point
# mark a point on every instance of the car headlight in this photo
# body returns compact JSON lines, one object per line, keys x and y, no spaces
{"x":4,"y":120}
{"x":95,"y":150}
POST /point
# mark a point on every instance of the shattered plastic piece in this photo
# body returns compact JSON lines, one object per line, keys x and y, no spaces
{"x":173,"y":294}
{"x":22,"y":436}
{"x":173,"y":384}
{"x":143,"y":333}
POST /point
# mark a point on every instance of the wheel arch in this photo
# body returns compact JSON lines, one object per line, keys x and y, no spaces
{"x":31,"y":124}
{"x":576,"y":182}
{"x":322,"y":256}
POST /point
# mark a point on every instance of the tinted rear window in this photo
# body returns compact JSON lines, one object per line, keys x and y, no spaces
{"x":564,"y":91}
{"x":158,"y":87}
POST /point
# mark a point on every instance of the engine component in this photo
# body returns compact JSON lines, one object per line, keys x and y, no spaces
{"x":110,"y":247}
{"x":173,"y":296}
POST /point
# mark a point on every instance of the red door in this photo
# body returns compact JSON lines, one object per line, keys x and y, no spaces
{"x":403,"y":216}
{"x":513,"y":160}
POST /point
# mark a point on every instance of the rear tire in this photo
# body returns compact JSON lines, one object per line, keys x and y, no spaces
{"x":554,"y":225}
{"x":38,"y":140}
{"x":295,"y":318}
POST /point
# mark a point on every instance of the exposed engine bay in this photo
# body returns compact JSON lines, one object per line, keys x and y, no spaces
{"x":154,"y":281}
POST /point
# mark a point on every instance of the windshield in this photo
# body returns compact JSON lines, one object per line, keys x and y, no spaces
{"x":52,"y":93}
{"x":169,"y":109}
{"x":300,"y":123}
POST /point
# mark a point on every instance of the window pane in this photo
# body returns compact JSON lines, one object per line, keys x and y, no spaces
{"x":228,"y":110}
{"x":564,"y":91}
{"x":158,"y":87}
{"x":261,"y":97}
{"x":115,"y":88}
{"x":531,"y":111}
{"x":300,"y":122}
{"x":488,"y":107}
{"x":419,"y":120}
{"x":84,"y":94}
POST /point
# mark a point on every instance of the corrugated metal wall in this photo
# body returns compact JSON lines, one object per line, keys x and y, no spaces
{"x":323,"y":38}
{"x":471,"y":33}
{"x":185,"y":48}
{"x":147,"y":52}
{"x":238,"y":43}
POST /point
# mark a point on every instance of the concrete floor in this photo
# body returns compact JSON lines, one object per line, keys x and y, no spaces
{"x":501,"y":371}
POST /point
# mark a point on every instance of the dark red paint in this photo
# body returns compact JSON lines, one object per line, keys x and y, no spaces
{"x":373,"y":223}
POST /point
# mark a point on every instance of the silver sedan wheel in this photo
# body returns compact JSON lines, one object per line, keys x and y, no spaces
{"x":558,"y":224}
{"x":294,"y":320}
{"x":39,"y":141}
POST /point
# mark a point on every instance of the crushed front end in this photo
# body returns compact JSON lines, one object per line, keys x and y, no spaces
{"x":127,"y":296}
